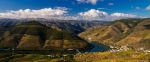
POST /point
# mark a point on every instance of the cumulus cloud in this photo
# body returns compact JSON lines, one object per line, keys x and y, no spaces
{"x":88,"y":1}
{"x":115,"y":16}
{"x":148,"y":8}
{"x":29,"y":13}
{"x":62,"y":14}
{"x":123,"y":15}
{"x":94,"y":14}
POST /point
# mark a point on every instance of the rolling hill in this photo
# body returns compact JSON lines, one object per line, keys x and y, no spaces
{"x":33,"y":35}
{"x":133,"y":33}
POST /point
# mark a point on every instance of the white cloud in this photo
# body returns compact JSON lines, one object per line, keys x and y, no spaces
{"x":62,"y":14}
{"x":123,"y":15}
{"x":28,"y":13}
{"x":88,"y":1}
{"x":93,"y":14}
{"x":116,"y":16}
{"x":148,"y":8}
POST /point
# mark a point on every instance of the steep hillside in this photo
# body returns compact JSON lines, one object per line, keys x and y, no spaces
{"x":109,"y":33}
{"x":34,"y":35}
{"x":140,"y":36}
{"x":134,"y":33}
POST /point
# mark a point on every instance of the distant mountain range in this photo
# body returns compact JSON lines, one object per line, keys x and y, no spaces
{"x":75,"y":26}
{"x":133,"y":33}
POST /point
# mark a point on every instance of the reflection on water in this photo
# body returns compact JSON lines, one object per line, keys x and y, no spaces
{"x":98,"y":47}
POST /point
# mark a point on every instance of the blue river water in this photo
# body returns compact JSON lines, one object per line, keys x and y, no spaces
{"x":98,"y":47}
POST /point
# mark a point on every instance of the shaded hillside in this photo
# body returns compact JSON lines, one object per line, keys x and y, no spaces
{"x":127,"y":32}
{"x":34,"y":35}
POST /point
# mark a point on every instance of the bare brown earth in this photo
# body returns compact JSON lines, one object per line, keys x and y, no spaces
{"x":34,"y":35}
{"x":134,"y":33}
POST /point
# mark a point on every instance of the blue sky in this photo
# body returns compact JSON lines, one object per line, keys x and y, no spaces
{"x":136,"y":7}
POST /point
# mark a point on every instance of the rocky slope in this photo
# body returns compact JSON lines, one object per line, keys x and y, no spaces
{"x":134,"y":33}
{"x":34,"y":35}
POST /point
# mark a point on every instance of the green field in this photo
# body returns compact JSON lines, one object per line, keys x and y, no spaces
{"x":124,"y":56}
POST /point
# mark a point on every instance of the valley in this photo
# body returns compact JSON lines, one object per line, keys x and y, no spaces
{"x":35,"y":41}
{"x":74,"y":30}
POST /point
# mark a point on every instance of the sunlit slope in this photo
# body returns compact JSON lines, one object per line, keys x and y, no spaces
{"x":127,"y":32}
{"x":124,"y":56}
{"x":34,"y":35}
